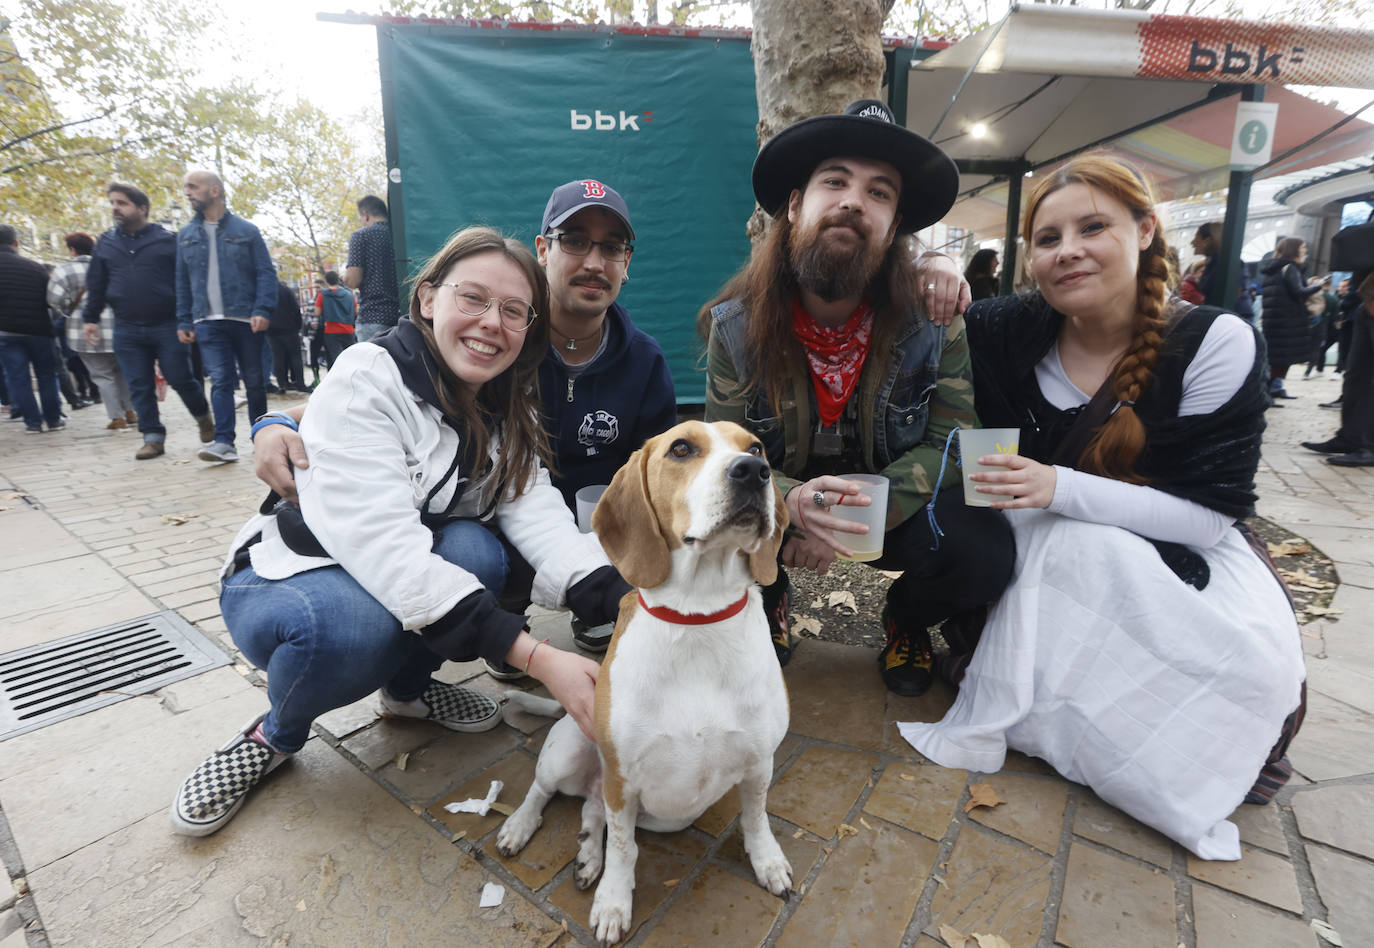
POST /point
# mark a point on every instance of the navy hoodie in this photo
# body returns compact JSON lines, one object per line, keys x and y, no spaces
{"x":596,"y":420}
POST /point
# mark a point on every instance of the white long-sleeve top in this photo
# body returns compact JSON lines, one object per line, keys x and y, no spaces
{"x":1217,"y":371}
{"x":376,"y":452}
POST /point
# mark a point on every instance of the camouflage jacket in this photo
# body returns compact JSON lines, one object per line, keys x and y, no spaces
{"x":907,"y":407}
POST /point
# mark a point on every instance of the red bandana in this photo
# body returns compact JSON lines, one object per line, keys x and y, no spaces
{"x":836,"y":356}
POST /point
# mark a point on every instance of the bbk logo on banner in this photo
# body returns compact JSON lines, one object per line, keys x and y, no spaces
{"x":597,"y":120}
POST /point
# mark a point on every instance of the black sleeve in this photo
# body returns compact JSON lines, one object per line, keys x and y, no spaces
{"x":595,"y":599}
{"x":477,"y":627}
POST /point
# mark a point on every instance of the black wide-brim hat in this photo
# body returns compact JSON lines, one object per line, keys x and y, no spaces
{"x":865,"y":129}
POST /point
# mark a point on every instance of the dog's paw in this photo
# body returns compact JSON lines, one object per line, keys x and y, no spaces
{"x":516,"y":832}
{"x":774,"y":873}
{"x":589,"y":859}
{"x":610,"y":918}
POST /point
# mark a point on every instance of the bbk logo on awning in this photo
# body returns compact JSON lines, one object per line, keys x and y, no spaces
{"x":597,"y":120}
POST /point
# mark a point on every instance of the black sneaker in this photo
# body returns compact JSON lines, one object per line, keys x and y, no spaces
{"x":216,"y":789}
{"x":1336,"y":405}
{"x":780,"y":627}
{"x":905,"y":661}
{"x":458,"y":709}
{"x":502,"y":671}
{"x":592,"y":638}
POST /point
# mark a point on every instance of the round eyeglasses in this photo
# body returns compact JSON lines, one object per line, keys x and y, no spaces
{"x":474,"y":299}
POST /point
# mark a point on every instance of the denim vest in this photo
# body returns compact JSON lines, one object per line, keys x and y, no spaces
{"x":893,"y":406}
{"x":247,"y":279}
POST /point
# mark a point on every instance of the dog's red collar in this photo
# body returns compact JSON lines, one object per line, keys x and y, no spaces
{"x":684,"y":618}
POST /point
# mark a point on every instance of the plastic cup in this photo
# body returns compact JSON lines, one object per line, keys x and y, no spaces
{"x":866,"y":546}
{"x":976,"y":442}
{"x":587,"y":498}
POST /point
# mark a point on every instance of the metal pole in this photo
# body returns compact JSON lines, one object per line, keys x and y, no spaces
{"x":1226,"y":281}
{"x":1009,"y":244}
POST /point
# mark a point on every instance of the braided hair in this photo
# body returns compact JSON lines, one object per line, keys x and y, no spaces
{"x":1117,"y":444}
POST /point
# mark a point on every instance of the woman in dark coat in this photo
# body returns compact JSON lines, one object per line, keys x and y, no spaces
{"x":1286,"y":320}
{"x":981,"y":275}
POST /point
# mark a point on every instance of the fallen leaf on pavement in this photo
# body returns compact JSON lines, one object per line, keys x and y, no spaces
{"x":177,"y":520}
{"x":1324,"y":611}
{"x":13,"y":495}
{"x":505,"y":809}
{"x":459,"y":835}
{"x":846,"y":830}
{"x":911,"y":777}
{"x":817,"y":604}
{"x":402,"y":760}
{"x":669,"y":883}
{"x":1289,"y":548}
{"x":1327,"y":932}
{"x":806,"y":625}
{"x":952,"y":936}
{"x":843,"y":599}
{"x":799,"y":834}
{"x":982,"y":794}
{"x":991,"y":941}
{"x":865,"y":823}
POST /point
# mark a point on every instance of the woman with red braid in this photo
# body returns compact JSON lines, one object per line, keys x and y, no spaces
{"x":1144,"y":647}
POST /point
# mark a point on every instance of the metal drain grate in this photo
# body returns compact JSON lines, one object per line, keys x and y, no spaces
{"x":47,"y":683}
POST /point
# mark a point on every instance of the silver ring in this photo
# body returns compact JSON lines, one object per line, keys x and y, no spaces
{"x":930,"y":286}
{"x":818,"y":498}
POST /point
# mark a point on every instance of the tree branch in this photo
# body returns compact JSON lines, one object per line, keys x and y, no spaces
{"x":4,"y":146}
{"x":24,"y":166}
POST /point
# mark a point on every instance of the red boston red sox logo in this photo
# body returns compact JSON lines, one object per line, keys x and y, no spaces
{"x":594,"y":189}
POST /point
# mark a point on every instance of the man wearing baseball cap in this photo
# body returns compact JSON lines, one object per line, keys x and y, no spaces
{"x":604,"y":385}
{"x":821,"y":345}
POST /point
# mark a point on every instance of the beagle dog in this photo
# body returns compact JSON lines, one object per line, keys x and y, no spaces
{"x":690,"y":700}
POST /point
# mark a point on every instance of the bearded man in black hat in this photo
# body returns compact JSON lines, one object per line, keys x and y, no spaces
{"x":823,"y":348}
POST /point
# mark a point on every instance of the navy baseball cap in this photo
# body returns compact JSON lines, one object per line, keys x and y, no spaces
{"x":567,"y":199}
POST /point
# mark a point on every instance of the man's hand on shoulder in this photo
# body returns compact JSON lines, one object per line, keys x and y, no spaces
{"x":944,"y":291}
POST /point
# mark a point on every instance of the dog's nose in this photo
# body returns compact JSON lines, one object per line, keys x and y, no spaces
{"x":748,"y":471}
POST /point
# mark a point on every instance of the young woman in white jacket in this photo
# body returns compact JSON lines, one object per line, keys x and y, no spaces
{"x":426,"y":460}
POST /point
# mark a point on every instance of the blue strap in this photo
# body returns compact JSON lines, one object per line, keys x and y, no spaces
{"x":935,"y":530}
{"x":272,"y":418}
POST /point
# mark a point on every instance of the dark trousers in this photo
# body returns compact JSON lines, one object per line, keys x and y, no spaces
{"x":17,"y":353}
{"x":335,"y":343}
{"x":286,"y":360}
{"x":1357,"y":387}
{"x":136,"y":348}
{"x":1343,"y":336}
{"x":968,"y":568}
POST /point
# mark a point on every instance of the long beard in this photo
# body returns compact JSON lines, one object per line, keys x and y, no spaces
{"x":831,"y":270}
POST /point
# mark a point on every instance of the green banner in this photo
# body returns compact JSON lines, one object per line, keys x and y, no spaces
{"x":482,"y":124}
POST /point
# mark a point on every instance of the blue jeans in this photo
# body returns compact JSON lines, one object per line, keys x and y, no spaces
{"x":325,"y":642}
{"x":223,"y":344}
{"x":136,"y":347}
{"x":365,"y":331}
{"x":17,"y":353}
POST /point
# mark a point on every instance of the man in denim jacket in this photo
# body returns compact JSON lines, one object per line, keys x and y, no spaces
{"x":822,"y":347}
{"x":226,"y":288}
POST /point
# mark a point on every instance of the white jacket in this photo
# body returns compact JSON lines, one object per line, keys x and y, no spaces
{"x":376,"y":452}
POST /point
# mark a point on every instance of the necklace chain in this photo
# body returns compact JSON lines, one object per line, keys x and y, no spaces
{"x":573,"y":341}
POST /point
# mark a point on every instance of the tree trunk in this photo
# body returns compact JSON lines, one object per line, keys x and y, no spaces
{"x":813,"y":57}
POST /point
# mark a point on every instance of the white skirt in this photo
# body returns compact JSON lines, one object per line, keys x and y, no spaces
{"x":1164,"y":699}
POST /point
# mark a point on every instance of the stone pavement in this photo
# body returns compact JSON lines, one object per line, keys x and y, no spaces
{"x":349,"y":844}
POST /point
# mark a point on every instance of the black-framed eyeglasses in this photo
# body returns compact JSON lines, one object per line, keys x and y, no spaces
{"x":579,"y":245}
{"x":474,"y":299}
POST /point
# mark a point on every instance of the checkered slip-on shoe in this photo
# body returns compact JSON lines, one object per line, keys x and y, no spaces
{"x":216,"y":789}
{"x":458,"y":709}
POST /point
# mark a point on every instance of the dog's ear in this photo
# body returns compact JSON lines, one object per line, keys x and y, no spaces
{"x":763,"y":562}
{"x":626,"y":525}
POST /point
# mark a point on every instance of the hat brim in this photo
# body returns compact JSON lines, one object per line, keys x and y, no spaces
{"x":930,"y":180}
{"x":562,"y":218}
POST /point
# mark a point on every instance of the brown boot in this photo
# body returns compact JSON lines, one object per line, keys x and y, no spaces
{"x":117,"y":423}
{"x":150,"y":449}
{"x":131,"y":416}
{"x":207,"y":428}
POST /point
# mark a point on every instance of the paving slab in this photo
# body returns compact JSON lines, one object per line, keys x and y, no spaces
{"x":1346,"y":887}
{"x":32,"y":537}
{"x":1260,"y":826}
{"x":46,"y":601}
{"x":321,"y":855}
{"x":868,"y":891}
{"x":923,"y":799}
{"x":820,"y":788}
{"x":842,"y":706}
{"x":1109,"y":900}
{"x":1225,"y":921}
{"x":1262,"y":876}
{"x":1105,"y":824}
{"x":991,"y":884}
{"x":1338,"y":816}
{"x":1336,"y":740}
{"x":1032,"y":811}
{"x":715,"y":909}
